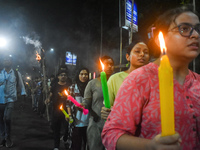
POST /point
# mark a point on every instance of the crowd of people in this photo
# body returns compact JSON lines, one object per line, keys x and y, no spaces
{"x":133,"y":121}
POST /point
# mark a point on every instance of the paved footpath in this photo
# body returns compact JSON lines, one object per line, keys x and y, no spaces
{"x":29,"y":131}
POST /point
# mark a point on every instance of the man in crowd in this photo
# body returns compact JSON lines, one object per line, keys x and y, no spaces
{"x":57,"y":100}
{"x":12,"y":82}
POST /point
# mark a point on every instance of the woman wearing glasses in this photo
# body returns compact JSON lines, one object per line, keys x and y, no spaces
{"x":134,"y":122}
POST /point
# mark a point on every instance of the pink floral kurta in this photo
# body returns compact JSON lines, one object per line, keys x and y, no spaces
{"x":137,"y":109}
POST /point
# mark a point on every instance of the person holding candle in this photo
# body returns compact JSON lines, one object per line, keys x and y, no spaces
{"x":58,"y":118}
{"x":138,"y":55}
{"x":54,"y":81}
{"x":62,"y":67}
{"x":81,"y":121}
{"x":134,"y":122}
{"x":93,"y":100}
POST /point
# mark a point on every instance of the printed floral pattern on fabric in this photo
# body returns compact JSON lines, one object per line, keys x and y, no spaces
{"x":137,"y":105}
{"x":68,"y":143}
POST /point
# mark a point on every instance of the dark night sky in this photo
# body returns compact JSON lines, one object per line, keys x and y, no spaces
{"x":70,"y":26}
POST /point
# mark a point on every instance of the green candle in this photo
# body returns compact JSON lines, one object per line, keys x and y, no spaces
{"x":105,"y":87}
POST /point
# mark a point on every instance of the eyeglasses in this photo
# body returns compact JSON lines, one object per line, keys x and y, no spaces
{"x":186,"y":29}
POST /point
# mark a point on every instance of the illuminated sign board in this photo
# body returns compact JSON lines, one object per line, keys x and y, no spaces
{"x":128,"y":8}
{"x":70,"y":58}
{"x":74,"y":58}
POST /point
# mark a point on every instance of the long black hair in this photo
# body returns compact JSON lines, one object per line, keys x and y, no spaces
{"x":81,"y":85}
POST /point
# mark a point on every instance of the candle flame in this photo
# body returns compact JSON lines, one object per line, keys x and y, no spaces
{"x":65,"y":91}
{"x":38,"y":57}
{"x":102,"y":65}
{"x":61,"y":107}
{"x":162,"y":43}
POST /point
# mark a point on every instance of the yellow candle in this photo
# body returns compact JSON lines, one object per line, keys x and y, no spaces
{"x":165,"y":74}
{"x":66,"y":114}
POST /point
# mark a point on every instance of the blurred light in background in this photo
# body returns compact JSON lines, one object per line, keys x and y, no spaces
{"x":3,"y":42}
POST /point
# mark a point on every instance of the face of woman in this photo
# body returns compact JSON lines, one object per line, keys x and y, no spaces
{"x":83,"y":76}
{"x":182,"y":47}
{"x":139,"y":55}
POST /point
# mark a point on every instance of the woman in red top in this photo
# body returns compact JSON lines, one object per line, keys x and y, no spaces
{"x":134,"y":122}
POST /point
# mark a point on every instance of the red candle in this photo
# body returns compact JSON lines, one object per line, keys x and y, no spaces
{"x":69,"y":97}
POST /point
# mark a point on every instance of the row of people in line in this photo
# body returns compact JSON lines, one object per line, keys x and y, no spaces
{"x":134,"y":120}
{"x":88,"y":128}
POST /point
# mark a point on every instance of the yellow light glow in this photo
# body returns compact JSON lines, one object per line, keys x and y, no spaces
{"x":162,"y":43}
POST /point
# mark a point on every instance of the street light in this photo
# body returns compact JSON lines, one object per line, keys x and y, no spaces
{"x":52,"y":50}
{"x":3,"y":42}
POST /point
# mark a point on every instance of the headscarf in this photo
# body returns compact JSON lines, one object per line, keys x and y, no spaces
{"x":81,"y":85}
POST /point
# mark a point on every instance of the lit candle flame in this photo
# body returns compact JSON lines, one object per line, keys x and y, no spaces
{"x":65,"y":91}
{"x":38,"y":57}
{"x":102,"y":65}
{"x":162,"y":43}
{"x":61,"y":107}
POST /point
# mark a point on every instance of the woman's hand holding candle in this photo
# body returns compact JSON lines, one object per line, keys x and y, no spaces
{"x":165,"y":142}
{"x":105,"y":112}
{"x":69,"y":97}
{"x":80,"y":108}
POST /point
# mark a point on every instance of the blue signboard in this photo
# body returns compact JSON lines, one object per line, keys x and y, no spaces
{"x":74,"y":59}
{"x":70,"y":58}
{"x":128,"y":15}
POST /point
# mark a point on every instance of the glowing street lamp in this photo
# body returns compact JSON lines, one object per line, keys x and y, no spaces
{"x":3,"y":42}
{"x":52,"y":50}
